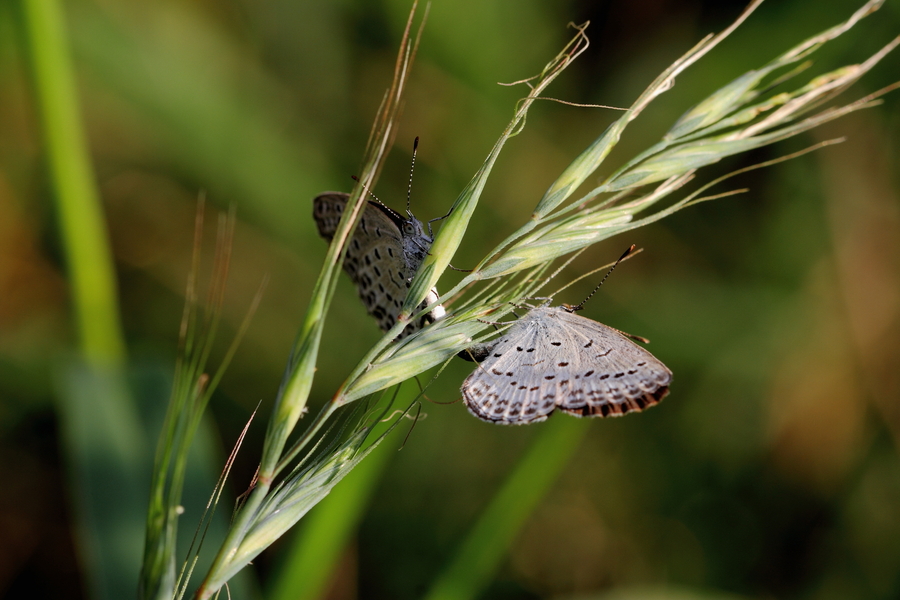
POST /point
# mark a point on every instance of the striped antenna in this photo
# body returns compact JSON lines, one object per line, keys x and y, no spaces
{"x":412,"y":167}
{"x":611,"y":269}
{"x":368,"y":191}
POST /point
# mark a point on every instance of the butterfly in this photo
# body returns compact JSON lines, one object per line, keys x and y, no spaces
{"x":383,"y":255}
{"x":552,"y":358}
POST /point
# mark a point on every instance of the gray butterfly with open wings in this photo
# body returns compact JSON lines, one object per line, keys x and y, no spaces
{"x":383,"y":255}
{"x":552,"y":358}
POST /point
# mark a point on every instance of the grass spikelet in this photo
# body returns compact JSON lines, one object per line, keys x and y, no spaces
{"x":191,"y":391}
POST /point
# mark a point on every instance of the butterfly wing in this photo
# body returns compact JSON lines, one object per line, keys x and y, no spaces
{"x":552,"y":358}
{"x":508,"y":386}
{"x":610,"y":374}
{"x":520,"y":380}
{"x":375,"y":259}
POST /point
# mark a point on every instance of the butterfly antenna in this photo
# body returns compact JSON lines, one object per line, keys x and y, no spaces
{"x":368,"y":191}
{"x":412,"y":168}
{"x":611,"y":269}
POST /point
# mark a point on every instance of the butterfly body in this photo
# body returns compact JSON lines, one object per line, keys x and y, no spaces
{"x":383,"y":255}
{"x":553,"y":358}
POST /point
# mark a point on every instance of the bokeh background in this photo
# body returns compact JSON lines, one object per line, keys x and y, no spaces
{"x":771,"y":471}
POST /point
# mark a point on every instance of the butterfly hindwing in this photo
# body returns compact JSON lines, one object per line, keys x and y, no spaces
{"x":614,"y":376}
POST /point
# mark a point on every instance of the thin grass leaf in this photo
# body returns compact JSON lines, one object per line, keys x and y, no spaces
{"x":536,"y":242}
{"x":207,"y":518}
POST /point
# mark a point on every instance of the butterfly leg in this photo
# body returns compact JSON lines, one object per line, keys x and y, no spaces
{"x":450,"y":212}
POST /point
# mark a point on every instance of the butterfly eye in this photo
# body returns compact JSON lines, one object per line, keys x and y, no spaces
{"x":408,"y":228}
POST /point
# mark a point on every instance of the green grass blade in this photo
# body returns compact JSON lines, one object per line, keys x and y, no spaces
{"x":81,"y":219}
{"x":484,"y":547}
{"x":101,"y":432}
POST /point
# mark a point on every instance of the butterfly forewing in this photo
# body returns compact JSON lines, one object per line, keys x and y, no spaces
{"x":380,"y":259}
{"x":552,"y":358}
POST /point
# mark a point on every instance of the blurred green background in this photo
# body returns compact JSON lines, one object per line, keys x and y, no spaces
{"x":771,"y":471}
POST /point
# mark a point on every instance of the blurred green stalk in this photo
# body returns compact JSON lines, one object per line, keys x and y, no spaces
{"x":103,"y":441}
{"x":81,"y":220}
{"x":479,"y":555}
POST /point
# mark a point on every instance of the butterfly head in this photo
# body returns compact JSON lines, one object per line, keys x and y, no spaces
{"x":412,"y":228}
